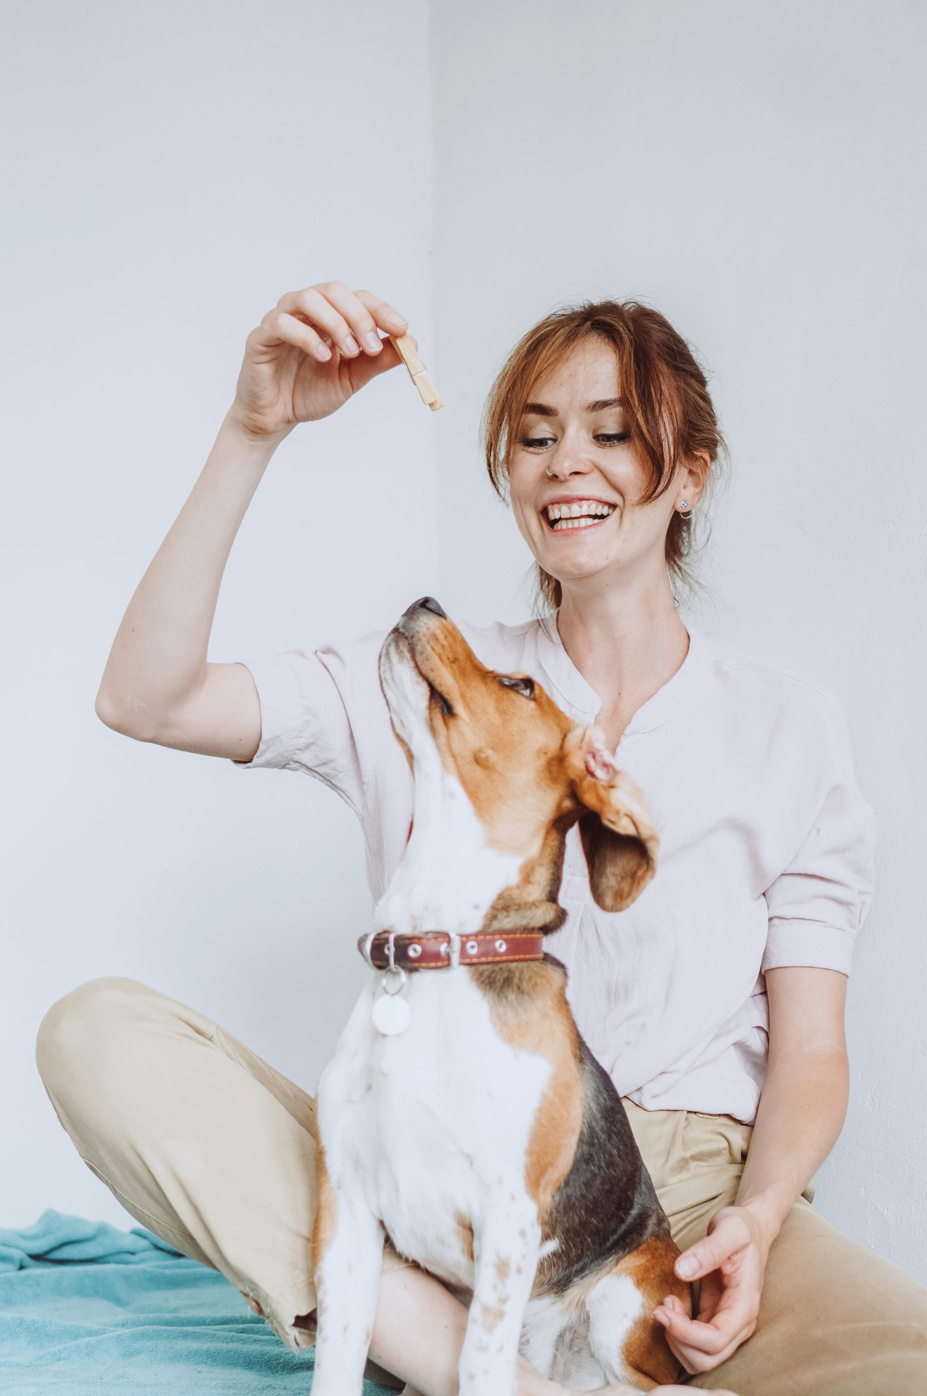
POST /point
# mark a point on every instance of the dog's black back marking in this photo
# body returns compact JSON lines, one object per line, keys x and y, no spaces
{"x":607,"y":1205}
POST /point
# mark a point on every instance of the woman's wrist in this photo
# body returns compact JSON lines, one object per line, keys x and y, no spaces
{"x":257,"y":447}
{"x":768,"y":1211}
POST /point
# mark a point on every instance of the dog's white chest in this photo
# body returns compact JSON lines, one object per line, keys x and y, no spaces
{"x":434,"y":1124}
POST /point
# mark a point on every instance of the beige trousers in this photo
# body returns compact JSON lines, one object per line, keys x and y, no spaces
{"x":214,"y":1151}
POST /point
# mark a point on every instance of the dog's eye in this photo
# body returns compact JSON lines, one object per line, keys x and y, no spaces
{"x":518,"y":682}
{"x":441,"y":701}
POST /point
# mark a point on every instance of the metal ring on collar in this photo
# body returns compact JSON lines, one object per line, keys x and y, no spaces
{"x":391,"y":986}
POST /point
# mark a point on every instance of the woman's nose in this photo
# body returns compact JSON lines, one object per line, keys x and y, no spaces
{"x":564,"y":462}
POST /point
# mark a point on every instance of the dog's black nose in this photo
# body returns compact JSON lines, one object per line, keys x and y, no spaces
{"x":427,"y":603}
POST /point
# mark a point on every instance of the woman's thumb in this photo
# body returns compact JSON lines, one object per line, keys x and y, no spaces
{"x":701,"y":1259}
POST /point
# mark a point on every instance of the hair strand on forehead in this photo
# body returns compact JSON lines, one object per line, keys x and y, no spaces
{"x":670,"y":412}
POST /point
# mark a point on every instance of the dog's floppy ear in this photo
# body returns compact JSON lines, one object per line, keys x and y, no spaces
{"x":619,"y":840}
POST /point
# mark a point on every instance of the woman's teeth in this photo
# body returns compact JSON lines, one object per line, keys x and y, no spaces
{"x":582,"y":514}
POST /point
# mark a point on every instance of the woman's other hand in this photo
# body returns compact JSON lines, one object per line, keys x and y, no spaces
{"x":731,"y":1263}
{"x":309,"y":354}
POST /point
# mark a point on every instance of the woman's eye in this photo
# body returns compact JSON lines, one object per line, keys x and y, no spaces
{"x":537,"y":443}
{"x":613,"y":438}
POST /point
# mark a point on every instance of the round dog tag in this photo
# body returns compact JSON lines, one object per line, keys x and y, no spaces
{"x":391,"y":1014}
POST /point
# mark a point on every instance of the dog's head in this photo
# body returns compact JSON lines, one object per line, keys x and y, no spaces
{"x":527,"y":773}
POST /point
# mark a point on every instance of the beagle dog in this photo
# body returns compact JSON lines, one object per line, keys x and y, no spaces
{"x":463,"y":1116}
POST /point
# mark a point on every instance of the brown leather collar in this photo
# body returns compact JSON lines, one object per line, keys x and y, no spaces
{"x":445,"y":950}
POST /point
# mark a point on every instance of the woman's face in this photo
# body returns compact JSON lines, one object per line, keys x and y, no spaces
{"x":576,"y":482}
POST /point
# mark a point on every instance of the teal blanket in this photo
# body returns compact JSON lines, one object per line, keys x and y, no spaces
{"x":89,"y":1310}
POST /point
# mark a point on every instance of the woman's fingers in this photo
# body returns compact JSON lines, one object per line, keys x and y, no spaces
{"x":355,"y":313}
{"x":351,"y":320}
{"x":316,"y":306}
{"x":701,"y":1344}
{"x":729,"y":1235}
{"x":730,"y":1262}
{"x":388,"y":318}
{"x":711,"y":1337}
{"x":279,"y":327}
{"x":368,"y":366}
{"x":310,"y":353}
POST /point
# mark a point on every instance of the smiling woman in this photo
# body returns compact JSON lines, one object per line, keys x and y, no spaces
{"x":661,"y":415}
{"x":715,"y":1003}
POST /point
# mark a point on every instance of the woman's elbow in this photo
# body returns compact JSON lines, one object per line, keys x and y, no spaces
{"x":115,"y":713}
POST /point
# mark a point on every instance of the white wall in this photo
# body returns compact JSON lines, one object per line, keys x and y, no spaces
{"x":754,"y":172}
{"x":171,"y":171}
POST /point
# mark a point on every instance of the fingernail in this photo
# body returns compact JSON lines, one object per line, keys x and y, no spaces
{"x":661,"y":1318}
{"x":323,"y":352}
{"x":350,"y":345}
{"x":373,"y":342}
{"x":686,"y":1267}
{"x":395,"y":321}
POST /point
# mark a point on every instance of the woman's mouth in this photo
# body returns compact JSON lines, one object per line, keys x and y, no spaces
{"x":578,"y":513}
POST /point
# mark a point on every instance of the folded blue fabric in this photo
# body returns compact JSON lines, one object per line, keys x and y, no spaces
{"x":93,"y":1311}
{"x":56,"y":1238}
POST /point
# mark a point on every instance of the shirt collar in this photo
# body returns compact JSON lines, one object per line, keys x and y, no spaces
{"x":573,"y":690}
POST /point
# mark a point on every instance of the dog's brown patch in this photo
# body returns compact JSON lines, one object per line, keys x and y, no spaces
{"x":326,"y":1215}
{"x":529,"y":1010}
{"x":464,"y":1234}
{"x":645,"y":1350}
{"x":532,"y":900}
{"x":492,"y":1316}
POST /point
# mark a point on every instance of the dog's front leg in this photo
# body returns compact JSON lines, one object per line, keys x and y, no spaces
{"x":347,"y":1251}
{"x":506,"y":1256}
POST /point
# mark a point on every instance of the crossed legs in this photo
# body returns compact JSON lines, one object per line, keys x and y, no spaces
{"x":213,"y":1150}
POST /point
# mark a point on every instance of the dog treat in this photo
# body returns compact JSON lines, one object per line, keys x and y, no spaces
{"x":404,"y":347}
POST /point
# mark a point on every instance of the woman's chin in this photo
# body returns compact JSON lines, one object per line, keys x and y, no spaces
{"x":573,"y":562}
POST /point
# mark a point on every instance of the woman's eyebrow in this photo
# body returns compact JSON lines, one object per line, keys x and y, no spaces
{"x":540,"y":409}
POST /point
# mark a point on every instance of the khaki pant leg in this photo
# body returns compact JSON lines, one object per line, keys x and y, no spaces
{"x":198,"y":1138}
{"x":835,"y":1319}
{"x":695,"y":1162}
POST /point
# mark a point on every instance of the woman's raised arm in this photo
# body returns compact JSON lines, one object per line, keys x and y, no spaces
{"x":309,"y":354}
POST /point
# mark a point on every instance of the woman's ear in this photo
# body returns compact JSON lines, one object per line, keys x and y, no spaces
{"x":692,"y":477}
{"x":618,"y":837}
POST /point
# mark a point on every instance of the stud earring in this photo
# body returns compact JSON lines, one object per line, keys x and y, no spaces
{"x":685,"y":511}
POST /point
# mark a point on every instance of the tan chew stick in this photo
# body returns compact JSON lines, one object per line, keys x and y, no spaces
{"x":404,"y":347}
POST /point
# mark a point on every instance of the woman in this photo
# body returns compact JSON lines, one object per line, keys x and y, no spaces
{"x":717,"y":1003}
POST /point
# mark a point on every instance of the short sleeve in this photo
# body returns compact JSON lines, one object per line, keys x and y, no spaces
{"x":820,"y":900}
{"x":319,"y":713}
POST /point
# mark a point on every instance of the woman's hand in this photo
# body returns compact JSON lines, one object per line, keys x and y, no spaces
{"x":730,"y":1263}
{"x":306,"y":358}
{"x":309,"y":355}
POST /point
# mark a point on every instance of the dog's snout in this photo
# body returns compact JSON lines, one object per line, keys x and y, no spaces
{"x":427,"y":603}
